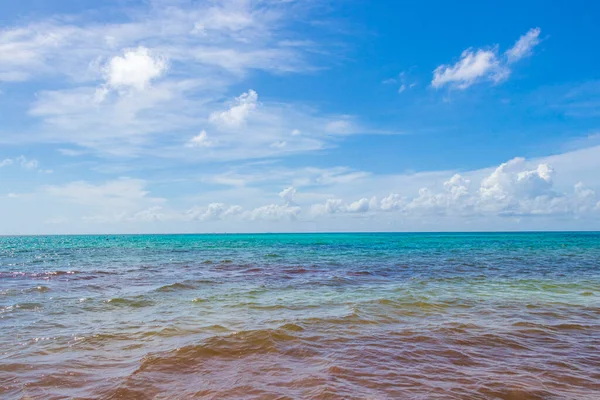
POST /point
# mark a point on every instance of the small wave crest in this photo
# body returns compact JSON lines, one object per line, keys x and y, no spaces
{"x":174,"y":287}
{"x":234,"y":346}
{"x":136,"y":302}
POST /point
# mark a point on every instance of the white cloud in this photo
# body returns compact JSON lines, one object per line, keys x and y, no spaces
{"x":454,"y":199}
{"x":23,"y":50}
{"x":484,"y":64}
{"x":278,"y":175}
{"x":97,"y":107}
{"x":27,"y":163}
{"x":113,"y":196}
{"x":136,"y":68}
{"x":288,"y":195}
{"x":71,"y":152}
{"x":210,"y":46}
{"x":340,"y":126}
{"x":213,"y":212}
{"x":24,"y":162}
{"x":403,"y":81}
{"x":6,"y":162}
{"x":61,"y":219}
{"x":524,"y":46}
{"x":152,"y":214}
{"x":232,"y":35}
{"x":274,"y":212}
{"x":279,"y":145}
{"x":496,"y":198}
{"x":359,"y":206}
{"x":393,"y":202}
{"x":238,"y":113}
{"x":472,"y":67}
{"x":513,"y":188}
{"x":200,"y":140}
{"x":335,"y":206}
{"x":510,"y":180}
{"x":331,"y":206}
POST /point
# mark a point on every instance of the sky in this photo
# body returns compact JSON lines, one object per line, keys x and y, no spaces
{"x":181,"y":116}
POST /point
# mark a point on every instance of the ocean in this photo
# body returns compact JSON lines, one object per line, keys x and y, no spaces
{"x":301,"y":316}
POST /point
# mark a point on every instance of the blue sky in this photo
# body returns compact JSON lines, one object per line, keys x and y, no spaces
{"x":211,"y":116}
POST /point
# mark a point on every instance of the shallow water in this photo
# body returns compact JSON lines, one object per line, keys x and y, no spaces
{"x":324,"y":316}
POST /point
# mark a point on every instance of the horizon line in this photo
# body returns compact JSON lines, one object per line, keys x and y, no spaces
{"x":298,"y":233}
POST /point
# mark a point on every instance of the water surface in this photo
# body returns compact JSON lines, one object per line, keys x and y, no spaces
{"x":286,"y":316}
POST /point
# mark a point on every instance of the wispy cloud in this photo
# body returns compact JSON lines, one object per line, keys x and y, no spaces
{"x":151,"y":84}
{"x":403,"y":82}
{"x":524,"y":46}
{"x":476,"y":65}
{"x":23,"y":162}
{"x":238,"y":113}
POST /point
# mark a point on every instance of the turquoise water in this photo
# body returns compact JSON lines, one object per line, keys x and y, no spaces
{"x":424,"y":316}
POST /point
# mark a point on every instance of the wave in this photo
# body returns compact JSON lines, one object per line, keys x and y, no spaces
{"x":136,"y":302}
{"x":29,"y":306}
{"x":59,"y":274}
{"x":233,"y":346}
{"x":44,"y":274}
{"x":298,"y":270}
{"x":187,"y":285}
{"x":15,"y":292}
{"x":177,"y":287}
{"x":273,"y":307}
{"x":553,"y":327}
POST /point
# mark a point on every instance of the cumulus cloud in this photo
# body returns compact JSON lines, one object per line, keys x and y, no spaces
{"x":513,"y":188}
{"x":136,"y":68}
{"x":359,"y":206}
{"x":477,"y":65}
{"x":335,"y":206}
{"x":331,"y":206}
{"x":510,"y":183}
{"x":152,"y":214}
{"x":274,"y":212}
{"x":585,"y":198}
{"x":200,"y":140}
{"x":517,"y":189}
{"x":524,"y":46}
{"x":393,"y":202}
{"x":238,"y":113}
{"x":453,"y":199}
{"x":213,"y":212}
{"x":288,"y":195}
